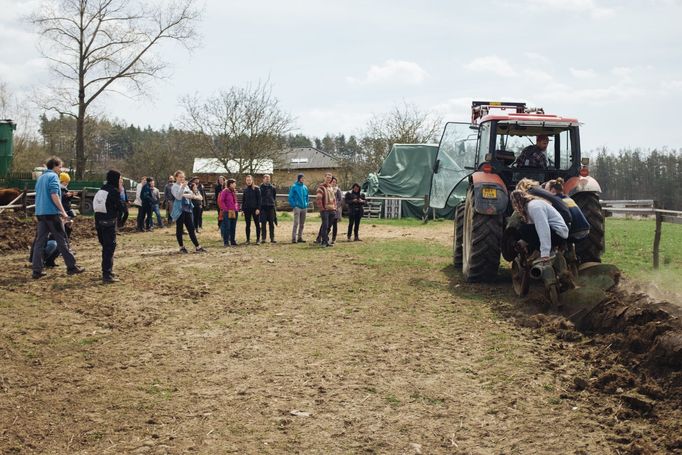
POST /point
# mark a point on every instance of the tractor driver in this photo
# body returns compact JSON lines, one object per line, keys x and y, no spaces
{"x":534,"y":156}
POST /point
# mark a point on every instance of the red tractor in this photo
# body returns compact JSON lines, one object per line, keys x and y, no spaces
{"x":476,"y":168}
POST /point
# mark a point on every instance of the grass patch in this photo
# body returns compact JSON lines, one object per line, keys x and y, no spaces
{"x":404,"y":253}
{"x":392,"y":400}
{"x":629,"y":245}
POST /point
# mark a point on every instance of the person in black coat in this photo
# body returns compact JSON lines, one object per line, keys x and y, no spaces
{"x":251,"y":206}
{"x":268,"y":196}
{"x":109,"y":216}
{"x":355,"y":201}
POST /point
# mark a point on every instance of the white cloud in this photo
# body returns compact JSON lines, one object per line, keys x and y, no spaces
{"x":492,"y":64}
{"x":392,"y":72}
{"x":587,"y":73}
{"x":574,"y":6}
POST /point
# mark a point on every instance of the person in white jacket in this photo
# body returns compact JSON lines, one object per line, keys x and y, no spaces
{"x":182,"y":211}
{"x":544,"y":227}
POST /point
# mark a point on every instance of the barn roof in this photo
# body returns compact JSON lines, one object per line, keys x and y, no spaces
{"x":307,"y":158}
{"x":214,"y":166}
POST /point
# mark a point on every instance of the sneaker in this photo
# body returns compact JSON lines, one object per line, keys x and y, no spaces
{"x":273,"y":241}
{"x":300,"y":241}
{"x":348,"y":237}
{"x":75,"y":271}
{"x":183,"y":250}
{"x":293,"y":241}
{"x":234,"y":244}
{"x":200,"y":249}
{"x":39,"y":275}
{"x":248,"y":242}
{"x":110,"y":279}
{"x":257,"y":242}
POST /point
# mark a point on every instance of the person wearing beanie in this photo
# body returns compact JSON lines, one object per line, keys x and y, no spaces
{"x":109,"y":214}
{"x":298,"y":200}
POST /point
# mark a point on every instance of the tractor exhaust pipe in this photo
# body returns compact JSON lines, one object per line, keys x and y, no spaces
{"x":544,"y":272}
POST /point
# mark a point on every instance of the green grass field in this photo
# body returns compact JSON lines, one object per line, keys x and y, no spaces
{"x":629,"y":245}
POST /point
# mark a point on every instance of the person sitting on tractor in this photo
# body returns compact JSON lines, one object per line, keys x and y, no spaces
{"x":580,"y":227}
{"x":534,"y":156}
{"x":543,"y":227}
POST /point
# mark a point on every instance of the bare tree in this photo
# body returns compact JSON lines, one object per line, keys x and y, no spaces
{"x":244,"y":126}
{"x":97,"y":46}
{"x":405,"y":124}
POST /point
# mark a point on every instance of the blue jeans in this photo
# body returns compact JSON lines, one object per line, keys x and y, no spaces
{"x":228,"y":230}
{"x":157,"y":211}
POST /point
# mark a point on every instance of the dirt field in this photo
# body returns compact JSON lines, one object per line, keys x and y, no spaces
{"x":367,"y":347}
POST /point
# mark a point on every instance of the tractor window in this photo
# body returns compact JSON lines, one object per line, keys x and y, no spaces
{"x":564,"y":150}
{"x":454,"y":161}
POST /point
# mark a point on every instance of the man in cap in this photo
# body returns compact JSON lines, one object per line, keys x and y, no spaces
{"x":534,"y":156}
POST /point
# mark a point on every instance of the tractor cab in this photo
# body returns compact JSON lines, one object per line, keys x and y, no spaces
{"x":493,"y":143}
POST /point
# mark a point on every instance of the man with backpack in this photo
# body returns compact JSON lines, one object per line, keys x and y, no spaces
{"x":109,"y":214}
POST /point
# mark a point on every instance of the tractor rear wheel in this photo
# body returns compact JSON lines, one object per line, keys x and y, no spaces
{"x":481,"y":239}
{"x":592,"y":247}
{"x":457,"y":241}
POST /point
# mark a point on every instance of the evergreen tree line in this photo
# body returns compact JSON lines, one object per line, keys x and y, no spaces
{"x":640,"y":174}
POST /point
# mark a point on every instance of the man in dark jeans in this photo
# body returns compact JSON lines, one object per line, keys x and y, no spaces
{"x":268,"y":197}
{"x":168,"y":198}
{"x":108,"y":216}
{"x":326,"y":202}
{"x":50,"y":214}
{"x":147,"y":206}
{"x":251,"y":204}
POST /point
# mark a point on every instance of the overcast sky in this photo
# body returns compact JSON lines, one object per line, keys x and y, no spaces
{"x":615,"y":65}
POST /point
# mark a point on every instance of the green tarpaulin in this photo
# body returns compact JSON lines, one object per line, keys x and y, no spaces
{"x":406,"y":172}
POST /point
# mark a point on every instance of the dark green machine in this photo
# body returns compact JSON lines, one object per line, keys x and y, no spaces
{"x":7,"y":128}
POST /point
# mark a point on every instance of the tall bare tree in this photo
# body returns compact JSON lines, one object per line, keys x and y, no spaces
{"x":96,"y":46}
{"x":244,"y":125}
{"x":403,"y":124}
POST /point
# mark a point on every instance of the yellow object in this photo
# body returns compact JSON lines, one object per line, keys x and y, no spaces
{"x":64,"y":178}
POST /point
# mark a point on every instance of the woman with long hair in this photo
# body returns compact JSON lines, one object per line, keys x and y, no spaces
{"x":218,"y":188}
{"x":182,"y":212}
{"x":543,"y":225}
{"x":355,"y":201}
{"x":230,"y":211}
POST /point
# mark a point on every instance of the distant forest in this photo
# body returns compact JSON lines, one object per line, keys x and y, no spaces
{"x":640,"y":174}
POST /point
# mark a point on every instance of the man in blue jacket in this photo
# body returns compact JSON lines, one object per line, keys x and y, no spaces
{"x":51,"y":216}
{"x":298,"y":200}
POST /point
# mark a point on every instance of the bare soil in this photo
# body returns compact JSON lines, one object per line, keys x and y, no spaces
{"x":368,"y":347}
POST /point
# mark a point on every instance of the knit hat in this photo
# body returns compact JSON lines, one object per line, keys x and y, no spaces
{"x":299,"y":177}
{"x":64,"y":178}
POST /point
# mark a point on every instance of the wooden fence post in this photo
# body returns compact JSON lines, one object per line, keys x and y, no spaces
{"x":24,"y":198}
{"x":657,"y":234}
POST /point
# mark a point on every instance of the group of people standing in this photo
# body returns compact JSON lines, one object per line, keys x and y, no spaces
{"x":258,"y":204}
{"x":185,"y":202}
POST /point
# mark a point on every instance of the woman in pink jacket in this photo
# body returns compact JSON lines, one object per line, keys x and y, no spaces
{"x":230,"y":211}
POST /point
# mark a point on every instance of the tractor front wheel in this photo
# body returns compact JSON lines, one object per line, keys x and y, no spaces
{"x":592,"y":247}
{"x":457,"y":241}
{"x":481,"y":239}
